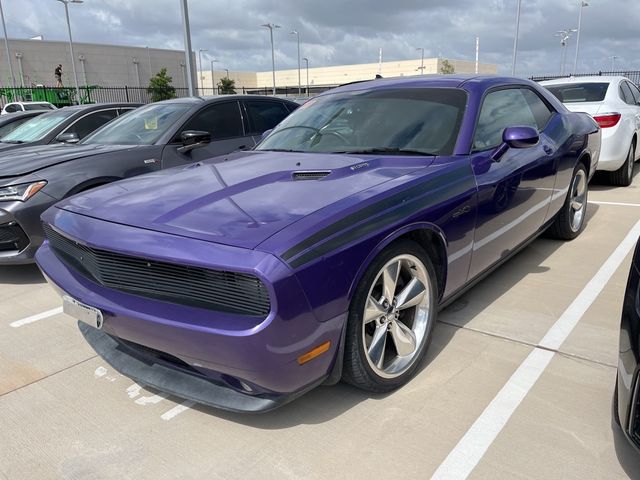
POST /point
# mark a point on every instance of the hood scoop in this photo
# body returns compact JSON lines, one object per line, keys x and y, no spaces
{"x":310,"y":174}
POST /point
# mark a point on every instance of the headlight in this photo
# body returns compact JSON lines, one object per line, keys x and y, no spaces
{"x":21,"y":192}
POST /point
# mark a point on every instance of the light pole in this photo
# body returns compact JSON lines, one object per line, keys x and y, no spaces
{"x":613,"y":62}
{"x":564,"y":37}
{"x":307,"y":62}
{"x":515,"y":40}
{"x":73,"y":57}
{"x":297,"y":34}
{"x":82,"y":58}
{"x":575,"y":62}
{"x":421,"y":67}
{"x":6,"y":46}
{"x":149,"y":60}
{"x":271,"y":26}
{"x":200,"y":50}
{"x":137,"y":67}
{"x":187,"y":46}
{"x":213,"y":83}
{"x":226,"y":70}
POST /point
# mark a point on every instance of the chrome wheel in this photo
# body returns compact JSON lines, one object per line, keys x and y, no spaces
{"x":631,"y":161}
{"x":578,"y":200}
{"x":396,"y":316}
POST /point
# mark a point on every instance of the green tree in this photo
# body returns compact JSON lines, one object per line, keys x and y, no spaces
{"x":160,"y":86}
{"x":226,"y":85}
{"x":447,"y":67}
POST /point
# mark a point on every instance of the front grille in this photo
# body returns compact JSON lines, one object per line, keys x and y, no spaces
{"x":223,"y":291}
{"x":635,"y":414}
{"x":12,"y":238}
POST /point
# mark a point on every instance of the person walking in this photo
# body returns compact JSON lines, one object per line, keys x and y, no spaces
{"x":58,"y":75}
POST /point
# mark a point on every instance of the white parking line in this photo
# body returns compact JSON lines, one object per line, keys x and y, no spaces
{"x":34,"y":318}
{"x":177,"y":410}
{"x":619,"y":204}
{"x":474,"y":444}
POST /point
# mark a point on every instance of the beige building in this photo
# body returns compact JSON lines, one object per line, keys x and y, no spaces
{"x":321,"y":76}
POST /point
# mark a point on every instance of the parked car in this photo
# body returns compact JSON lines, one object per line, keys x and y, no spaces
{"x":326,"y":252}
{"x":160,"y":135}
{"x":67,"y":125}
{"x":9,"y":122}
{"x":13,"y":107}
{"x":614,"y":102}
{"x":627,"y":394}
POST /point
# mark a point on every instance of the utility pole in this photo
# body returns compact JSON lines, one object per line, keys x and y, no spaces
{"x":515,"y":41}
{"x":421,"y":67}
{"x":564,"y":37}
{"x":477,"y":55}
{"x":297,"y":34}
{"x":187,"y":46}
{"x":575,"y":63}
{"x":271,"y":26}
{"x":6,"y":47}
{"x":201,"y":78}
{"x":307,"y":61}
{"x":213,"y":82}
{"x":73,"y":57}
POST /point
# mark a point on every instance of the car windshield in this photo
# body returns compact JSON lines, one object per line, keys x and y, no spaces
{"x":382,"y":121}
{"x":143,"y":126}
{"x":38,"y":127}
{"x":579,"y":92}
{"x":38,"y":106}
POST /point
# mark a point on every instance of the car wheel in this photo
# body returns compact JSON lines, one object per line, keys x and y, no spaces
{"x":624,"y":175}
{"x":391,"y":318}
{"x":570,"y":220}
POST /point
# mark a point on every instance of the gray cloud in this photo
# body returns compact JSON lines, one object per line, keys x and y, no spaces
{"x":335,"y":32}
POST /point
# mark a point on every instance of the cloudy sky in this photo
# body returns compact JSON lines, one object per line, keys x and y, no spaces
{"x":335,"y":32}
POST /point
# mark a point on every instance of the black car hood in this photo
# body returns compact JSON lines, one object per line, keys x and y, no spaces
{"x":31,"y":159}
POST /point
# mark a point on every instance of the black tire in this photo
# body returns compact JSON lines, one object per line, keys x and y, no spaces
{"x":357,"y":370}
{"x":563,"y":227}
{"x":624,"y":175}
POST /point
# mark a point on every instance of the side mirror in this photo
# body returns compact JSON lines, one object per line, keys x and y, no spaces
{"x":68,"y":137}
{"x":516,"y":137}
{"x":265,"y":134}
{"x":193,"y":139}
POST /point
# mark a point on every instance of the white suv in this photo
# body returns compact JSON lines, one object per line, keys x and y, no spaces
{"x":614,"y":102}
{"x":26,"y":106}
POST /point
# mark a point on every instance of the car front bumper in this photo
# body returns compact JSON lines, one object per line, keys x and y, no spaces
{"x":242,"y":356}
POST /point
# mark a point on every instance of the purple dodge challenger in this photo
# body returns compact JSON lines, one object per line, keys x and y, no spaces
{"x":325,"y":253}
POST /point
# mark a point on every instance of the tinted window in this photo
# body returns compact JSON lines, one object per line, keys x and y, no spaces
{"x":91,"y":122}
{"x":579,"y":92}
{"x":10,"y":127}
{"x":221,"y":120}
{"x":540,"y":110}
{"x":11,"y":108}
{"x":625,"y":94}
{"x":426,"y":120}
{"x":635,"y":92}
{"x":143,"y":126}
{"x":502,"y":109}
{"x":264,"y":115}
{"x":37,"y":106}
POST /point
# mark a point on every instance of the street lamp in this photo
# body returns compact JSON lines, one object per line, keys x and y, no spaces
{"x":200,"y":50}
{"x":297,"y":34}
{"x":575,"y":63}
{"x":6,"y":46}
{"x":73,"y":57}
{"x":184,"y":8}
{"x":213,"y":83}
{"x":564,"y":36}
{"x":613,"y":62}
{"x":421,"y":67}
{"x":226,"y":70}
{"x":515,"y":40}
{"x":307,"y":62}
{"x":271,"y":26}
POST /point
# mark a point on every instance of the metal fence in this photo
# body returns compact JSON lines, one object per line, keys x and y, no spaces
{"x":633,"y":75}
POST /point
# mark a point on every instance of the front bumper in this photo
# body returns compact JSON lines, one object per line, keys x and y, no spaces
{"x":248,"y":356}
{"x":25,"y":216}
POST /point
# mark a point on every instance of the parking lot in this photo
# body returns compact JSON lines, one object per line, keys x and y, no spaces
{"x":65,"y":413}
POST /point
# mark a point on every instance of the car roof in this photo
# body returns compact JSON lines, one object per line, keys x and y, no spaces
{"x":99,"y":106}
{"x":216,"y":98}
{"x":43,"y":102}
{"x":588,"y":79}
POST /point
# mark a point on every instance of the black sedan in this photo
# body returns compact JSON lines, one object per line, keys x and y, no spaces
{"x":11,"y":121}
{"x":158,"y":136}
{"x":627,"y":394}
{"x":69,"y":125}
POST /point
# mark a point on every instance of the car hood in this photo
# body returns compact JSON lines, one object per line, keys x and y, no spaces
{"x":31,"y":159}
{"x":240,"y":200}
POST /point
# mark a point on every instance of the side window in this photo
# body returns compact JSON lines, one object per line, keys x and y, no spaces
{"x":625,"y":94}
{"x":540,"y":110}
{"x":264,"y":115}
{"x":11,"y":108}
{"x":635,"y":92}
{"x":91,"y":122}
{"x":221,"y":120}
{"x":501,"y":109}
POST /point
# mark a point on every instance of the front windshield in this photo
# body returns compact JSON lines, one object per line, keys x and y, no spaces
{"x":143,"y":126}
{"x":38,"y":127}
{"x":408,"y":120}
